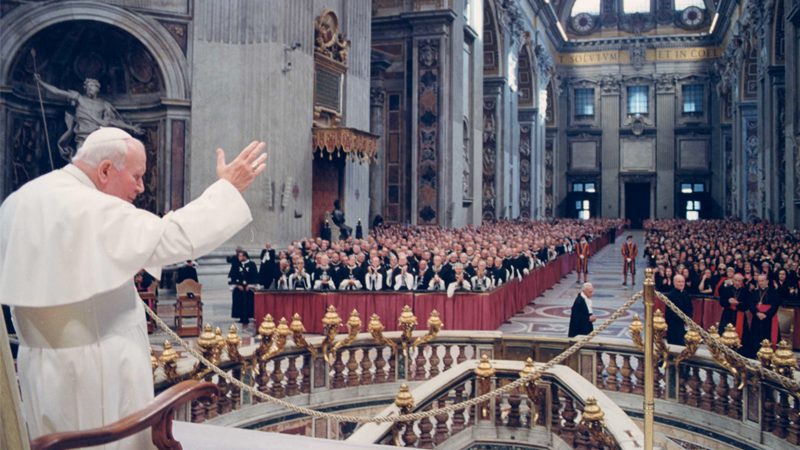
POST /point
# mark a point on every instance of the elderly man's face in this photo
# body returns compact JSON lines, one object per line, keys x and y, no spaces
{"x":128,"y":182}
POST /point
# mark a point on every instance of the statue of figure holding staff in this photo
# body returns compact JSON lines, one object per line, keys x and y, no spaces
{"x":91,"y":113}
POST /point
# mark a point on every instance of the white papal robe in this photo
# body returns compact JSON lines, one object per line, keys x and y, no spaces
{"x":68,"y":254}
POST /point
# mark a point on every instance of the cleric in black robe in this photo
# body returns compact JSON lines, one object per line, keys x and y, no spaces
{"x":268,"y":271}
{"x":243,"y":277}
{"x":675,"y":326}
{"x":764,"y":304}
{"x":186,"y":272}
{"x":734,"y":301}
{"x":582,"y":316}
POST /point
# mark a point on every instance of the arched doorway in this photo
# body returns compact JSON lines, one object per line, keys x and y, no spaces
{"x":142,"y":72}
{"x":65,"y":55}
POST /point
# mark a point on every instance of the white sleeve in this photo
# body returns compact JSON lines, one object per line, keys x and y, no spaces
{"x":202,"y":225}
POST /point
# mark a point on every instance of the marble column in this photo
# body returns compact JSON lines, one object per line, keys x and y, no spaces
{"x":665,"y":148}
{"x":610,"y":147}
{"x":377,"y":192}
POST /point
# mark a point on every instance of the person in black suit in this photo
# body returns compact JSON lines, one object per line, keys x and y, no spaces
{"x":581,"y":315}
{"x":268,"y":271}
{"x":675,"y":326}
{"x":186,"y":272}
{"x":243,"y":277}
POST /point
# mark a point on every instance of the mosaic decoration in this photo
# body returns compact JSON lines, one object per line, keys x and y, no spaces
{"x":428,"y":137}
{"x":489,"y":158}
{"x":525,"y":171}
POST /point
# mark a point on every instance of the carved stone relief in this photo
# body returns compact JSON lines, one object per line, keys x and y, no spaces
{"x":548,"y":175}
{"x":754,"y":184}
{"x":328,"y":40}
{"x":525,"y":171}
{"x":731,"y":188}
{"x":428,"y":138}
{"x":489,"y":158}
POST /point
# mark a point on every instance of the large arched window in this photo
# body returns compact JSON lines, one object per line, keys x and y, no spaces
{"x":635,"y":6}
{"x":585,"y":6}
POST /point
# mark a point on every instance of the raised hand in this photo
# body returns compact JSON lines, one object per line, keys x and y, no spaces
{"x":245,"y":167}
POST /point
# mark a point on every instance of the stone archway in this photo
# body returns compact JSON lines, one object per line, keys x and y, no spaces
{"x":142,"y":70}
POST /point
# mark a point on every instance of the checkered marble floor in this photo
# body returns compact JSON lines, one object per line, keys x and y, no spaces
{"x":548,"y":315}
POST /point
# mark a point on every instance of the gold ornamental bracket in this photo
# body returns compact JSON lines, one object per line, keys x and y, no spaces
{"x":351,"y":143}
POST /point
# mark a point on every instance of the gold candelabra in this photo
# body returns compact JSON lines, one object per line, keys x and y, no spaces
{"x":330,"y":326}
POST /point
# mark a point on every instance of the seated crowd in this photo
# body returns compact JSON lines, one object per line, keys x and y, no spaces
{"x":750,"y":268}
{"x":408,"y":258}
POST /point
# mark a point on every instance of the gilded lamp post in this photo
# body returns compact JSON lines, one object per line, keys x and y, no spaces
{"x":649,"y":375}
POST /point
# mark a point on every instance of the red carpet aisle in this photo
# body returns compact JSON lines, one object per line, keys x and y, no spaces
{"x":549,"y":315}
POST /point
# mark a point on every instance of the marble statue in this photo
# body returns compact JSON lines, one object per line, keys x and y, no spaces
{"x":90,"y":113}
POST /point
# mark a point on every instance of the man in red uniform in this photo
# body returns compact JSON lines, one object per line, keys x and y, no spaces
{"x":582,"y":249}
{"x":629,"y":252}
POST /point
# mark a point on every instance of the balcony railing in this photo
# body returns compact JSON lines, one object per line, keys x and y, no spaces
{"x":763,"y":414}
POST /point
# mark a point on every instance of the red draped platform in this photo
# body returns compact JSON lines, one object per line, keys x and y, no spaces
{"x":464,"y":311}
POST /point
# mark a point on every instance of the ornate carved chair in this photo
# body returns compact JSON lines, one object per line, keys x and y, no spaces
{"x":188,"y":308}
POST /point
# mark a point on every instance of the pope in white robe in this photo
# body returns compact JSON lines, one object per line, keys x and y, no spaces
{"x":84,"y":357}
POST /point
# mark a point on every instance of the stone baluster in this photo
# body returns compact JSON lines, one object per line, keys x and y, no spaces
{"x":782,"y":424}
{"x":353,"y":379}
{"x":366,"y":366}
{"x":442,"y":432}
{"x":659,"y":390}
{"x":498,"y":409}
{"x":569,"y":414}
{"x":462,"y":354}
{"x":707,"y":399}
{"x":638,"y":388}
{"x":223,"y":402}
{"x":305,"y":383}
{"x":425,"y":426}
{"x":540,"y":402}
{"x":514,"y":400}
{"x":735,"y":404}
{"x":211,"y":407}
{"x":391,"y":372}
{"x":338,"y":372}
{"x":277,"y":390}
{"x":198,"y":411}
{"x":583,"y":440}
{"x":380,"y":363}
{"x":693,"y":392}
{"x":262,"y":379}
{"x":686,"y":382}
{"x":626,"y":386}
{"x":611,"y":370}
{"x":794,"y":428}
{"x":768,"y":411}
{"x":236,"y":393}
{"x":600,"y":371}
{"x":292,"y":388}
{"x":458,"y":415}
{"x":419,"y":363}
{"x":721,"y":400}
{"x":433,"y":362}
{"x":555,"y":410}
{"x":448,"y":357}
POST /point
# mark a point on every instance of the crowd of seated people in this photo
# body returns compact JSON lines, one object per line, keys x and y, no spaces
{"x":750,"y":268}
{"x":408,"y":258}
